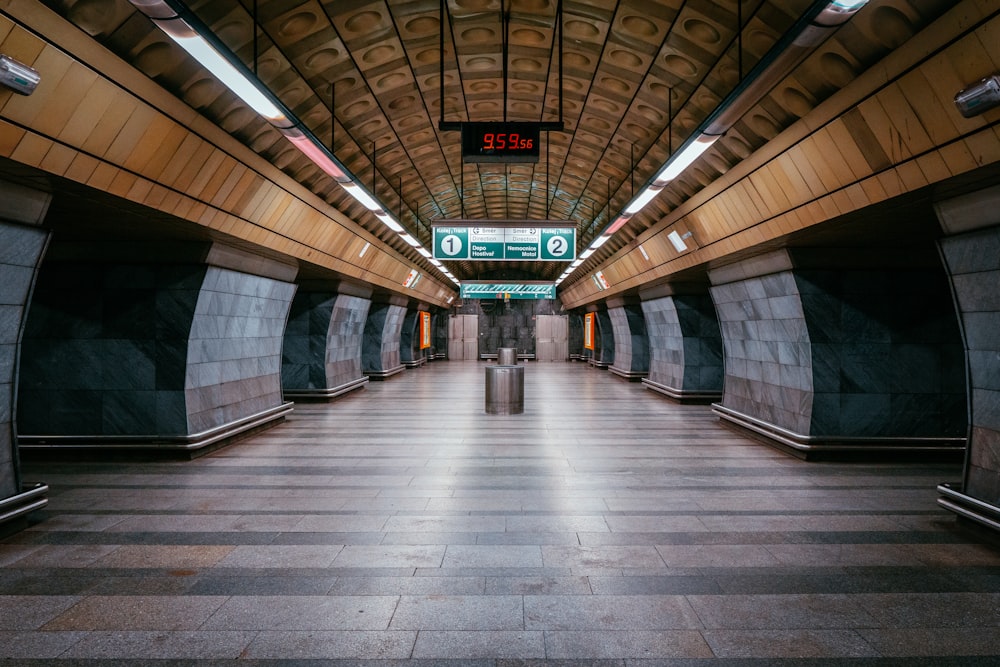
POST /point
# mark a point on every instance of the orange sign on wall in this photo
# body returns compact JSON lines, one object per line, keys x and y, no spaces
{"x":588,"y":331}
{"x":425,"y":329}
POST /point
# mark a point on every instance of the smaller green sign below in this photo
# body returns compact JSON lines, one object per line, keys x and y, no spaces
{"x":508,"y":291}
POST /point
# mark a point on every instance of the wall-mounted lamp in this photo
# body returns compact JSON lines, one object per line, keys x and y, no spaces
{"x":17,"y":76}
{"x":980,"y":97}
{"x":677,"y":240}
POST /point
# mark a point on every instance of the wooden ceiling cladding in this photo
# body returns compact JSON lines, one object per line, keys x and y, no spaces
{"x":637,"y":78}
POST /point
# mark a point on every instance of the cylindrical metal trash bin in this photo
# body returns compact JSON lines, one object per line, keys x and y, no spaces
{"x":507,"y":356}
{"x":504,"y":390}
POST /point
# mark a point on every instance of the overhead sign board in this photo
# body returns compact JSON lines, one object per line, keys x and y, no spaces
{"x":504,"y":242}
{"x":508,"y":290}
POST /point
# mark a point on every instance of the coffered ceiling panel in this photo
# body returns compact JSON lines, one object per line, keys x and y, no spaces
{"x":631,"y":81}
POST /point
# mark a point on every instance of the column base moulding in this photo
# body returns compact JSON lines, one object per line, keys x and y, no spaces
{"x":954,"y":500}
{"x":20,"y":505}
{"x":577,"y":357}
{"x":382,"y":375}
{"x":437,"y":355}
{"x":812,"y":447}
{"x":603,"y":365}
{"x":683,"y":395}
{"x":416,"y":363}
{"x":192,"y":446}
{"x":633,"y":376}
{"x":319,"y":395}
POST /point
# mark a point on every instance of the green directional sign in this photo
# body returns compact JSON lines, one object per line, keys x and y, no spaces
{"x":451,"y":242}
{"x":508,"y":291}
{"x":558,"y":243}
{"x":506,"y":240}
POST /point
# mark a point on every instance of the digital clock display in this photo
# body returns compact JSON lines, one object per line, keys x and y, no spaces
{"x":500,"y":142}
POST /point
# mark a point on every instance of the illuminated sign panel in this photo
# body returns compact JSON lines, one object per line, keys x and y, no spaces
{"x":500,"y":142}
{"x":508,"y":291}
{"x":425,"y":329}
{"x":513,"y":242}
{"x":588,"y":330}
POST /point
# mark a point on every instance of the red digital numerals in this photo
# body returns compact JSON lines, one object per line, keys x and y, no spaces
{"x":500,"y":141}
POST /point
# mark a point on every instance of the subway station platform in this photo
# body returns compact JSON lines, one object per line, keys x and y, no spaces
{"x":401,"y":525}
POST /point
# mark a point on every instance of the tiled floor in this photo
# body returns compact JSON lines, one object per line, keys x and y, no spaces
{"x":401,"y":525}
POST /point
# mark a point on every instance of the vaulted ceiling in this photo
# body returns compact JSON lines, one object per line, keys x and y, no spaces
{"x":631,"y":81}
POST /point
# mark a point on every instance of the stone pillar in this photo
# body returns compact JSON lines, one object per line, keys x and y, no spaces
{"x":22,"y":245}
{"x":410,"y":353}
{"x":576,"y":350}
{"x":167,"y":354}
{"x":631,"y":356}
{"x":684,"y":343}
{"x":321,"y":354}
{"x":971,"y":253}
{"x":380,"y":356}
{"x":860,"y":357}
{"x":604,"y":341}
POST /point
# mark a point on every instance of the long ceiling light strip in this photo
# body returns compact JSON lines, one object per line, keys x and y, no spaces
{"x":177,"y":22}
{"x":809,"y":32}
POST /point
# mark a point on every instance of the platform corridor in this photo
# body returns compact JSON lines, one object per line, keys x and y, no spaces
{"x":605,"y":526}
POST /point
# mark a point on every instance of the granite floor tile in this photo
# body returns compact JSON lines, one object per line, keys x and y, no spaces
{"x":609,"y":612}
{"x":629,"y":644}
{"x":513,"y":556}
{"x":479,"y":644}
{"x":281,"y":556}
{"x":772,"y":612}
{"x":532,"y":540}
{"x":330,"y":645}
{"x":136,"y":612}
{"x":36,"y":645}
{"x":791,"y":644}
{"x":495,"y":612}
{"x":146,"y":645}
{"x":291,"y":613}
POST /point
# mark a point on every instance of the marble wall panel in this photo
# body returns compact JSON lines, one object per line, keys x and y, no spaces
{"x":684,"y":342}
{"x":973,"y":261}
{"x":409,"y":345}
{"x":380,"y":344}
{"x":21,"y":248}
{"x":105,"y":349}
{"x":604,"y":339}
{"x":631,"y":343}
{"x":234,"y":351}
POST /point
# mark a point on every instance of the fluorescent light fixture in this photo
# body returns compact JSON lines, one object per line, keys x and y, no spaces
{"x":682,"y":159}
{"x":362,"y":196}
{"x":576,"y":264}
{"x":677,"y":241}
{"x":586,"y":253}
{"x":365,"y":249}
{"x":201,"y":50}
{"x":389,"y":221}
{"x":644,"y":198}
{"x":617,"y":224}
{"x":316,"y":154}
{"x":599,"y":241}
{"x":423,"y":251}
{"x":435,"y":262}
{"x":409,"y":239}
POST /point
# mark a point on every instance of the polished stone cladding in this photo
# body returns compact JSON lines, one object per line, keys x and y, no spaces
{"x":322,"y":345}
{"x":402,"y":527}
{"x":409,"y":340}
{"x":685,"y":345}
{"x":630,"y":339}
{"x":21,"y":248}
{"x":105,"y":349}
{"x":840,"y":354}
{"x":887,"y":354}
{"x":604,"y":339}
{"x":234,"y":353}
{"x":380,"y":345}
{"x":974,"y":263}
